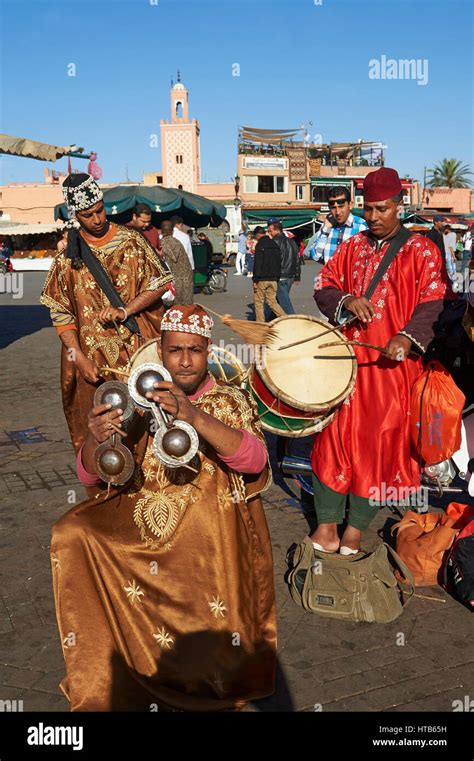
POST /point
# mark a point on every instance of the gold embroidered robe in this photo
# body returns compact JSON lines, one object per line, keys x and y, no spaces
{"x":164,"y":589}
{"x":133,"y":267}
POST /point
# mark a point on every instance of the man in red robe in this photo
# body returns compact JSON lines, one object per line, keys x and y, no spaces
{"x":366,"y":449}
{"x":141,"y":221}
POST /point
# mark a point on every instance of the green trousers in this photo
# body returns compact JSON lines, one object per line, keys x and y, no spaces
{"x":330,"y":507}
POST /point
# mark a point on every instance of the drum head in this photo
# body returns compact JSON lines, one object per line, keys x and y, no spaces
{"x":276,"y":405}
{"x":148,"y":353}
{"x":299,"y":380}
{"x":225,"y":366}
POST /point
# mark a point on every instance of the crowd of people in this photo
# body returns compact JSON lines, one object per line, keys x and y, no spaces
{"x":453,"y":246}
{"x":272,"y":258}
{"x":271,"y":270}
{"x":166,"y":581}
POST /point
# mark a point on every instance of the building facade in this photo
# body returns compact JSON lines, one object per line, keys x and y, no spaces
{"x":181,"y":153}
{"x":180,"y":145}
{"x":448,"y":200}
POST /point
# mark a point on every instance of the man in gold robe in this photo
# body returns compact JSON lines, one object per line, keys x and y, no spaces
{"x":164,"y":587}
{"x":93,"y":333}
{"x":176,"y":257}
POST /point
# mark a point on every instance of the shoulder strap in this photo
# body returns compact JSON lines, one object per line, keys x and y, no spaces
{"x":406,"y":573}
{"x":394,"y":247}
{"x":103,"y":281}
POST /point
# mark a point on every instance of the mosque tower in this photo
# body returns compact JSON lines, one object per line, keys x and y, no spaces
{"x":180,"y":149}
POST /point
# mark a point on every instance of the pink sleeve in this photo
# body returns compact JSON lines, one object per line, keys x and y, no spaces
{"x":86,"y":479}
{"x":251,"y":456}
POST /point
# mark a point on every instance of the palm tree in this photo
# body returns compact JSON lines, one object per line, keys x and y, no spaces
{"x":449,"y":174}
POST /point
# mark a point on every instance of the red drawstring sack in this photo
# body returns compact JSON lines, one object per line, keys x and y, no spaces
{"x":436,"y":409}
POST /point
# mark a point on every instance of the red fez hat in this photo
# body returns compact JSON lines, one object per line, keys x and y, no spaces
{"x":188,"y":318}
{"x":382,"y":184}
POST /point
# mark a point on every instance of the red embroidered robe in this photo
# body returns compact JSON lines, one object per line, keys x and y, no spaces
{"x":368,"y":443}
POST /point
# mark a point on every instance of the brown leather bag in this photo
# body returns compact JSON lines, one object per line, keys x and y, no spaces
{"x":423,"y":542}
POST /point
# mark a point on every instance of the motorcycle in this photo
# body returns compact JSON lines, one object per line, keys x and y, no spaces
{"x":450,"y":477}
{"x":217,"y":282}
{"x":5,"y":262}
{"x":208,"y":276}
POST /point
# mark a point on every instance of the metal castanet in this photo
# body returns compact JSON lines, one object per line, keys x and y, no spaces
{"x":176,"y":442}
{"x":113,"y":462}
{"x":115,"y":393}
{"x":142,"y":380}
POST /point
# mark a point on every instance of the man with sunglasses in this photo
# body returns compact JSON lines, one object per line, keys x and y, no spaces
{"x":339,"y":226}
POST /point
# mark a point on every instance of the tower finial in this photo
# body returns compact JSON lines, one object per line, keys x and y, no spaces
{"x":179,"y":76}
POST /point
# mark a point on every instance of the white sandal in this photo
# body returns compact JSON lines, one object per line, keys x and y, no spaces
{"x":343,"y":550}
{"x":319,"y":548}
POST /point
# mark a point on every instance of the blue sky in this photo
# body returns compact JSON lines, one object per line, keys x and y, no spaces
{"x":299,"y":62}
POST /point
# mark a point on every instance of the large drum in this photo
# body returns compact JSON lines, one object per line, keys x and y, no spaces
{"x":225,"y":366}
{"x":149,"y":352}
{"x":298,"y":390}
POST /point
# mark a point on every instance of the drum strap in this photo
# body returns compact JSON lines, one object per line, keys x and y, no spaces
{"x":105,"y":284}
{"x":394,"y":247}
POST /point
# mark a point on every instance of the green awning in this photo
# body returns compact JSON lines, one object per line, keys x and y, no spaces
{"x":346,"y":181}
{"x":287,"y":217}
{"x":195,"y":210}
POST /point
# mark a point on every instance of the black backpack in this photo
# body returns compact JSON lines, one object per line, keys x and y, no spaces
{"x":458,"y":572}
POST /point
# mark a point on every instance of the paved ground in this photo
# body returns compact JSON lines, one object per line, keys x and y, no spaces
{"x":324,"y":664}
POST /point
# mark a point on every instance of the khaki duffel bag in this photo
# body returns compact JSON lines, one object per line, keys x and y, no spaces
{"x":352,"y":588}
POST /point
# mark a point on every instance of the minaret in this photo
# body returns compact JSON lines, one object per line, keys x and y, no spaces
{"x":180,"y":150}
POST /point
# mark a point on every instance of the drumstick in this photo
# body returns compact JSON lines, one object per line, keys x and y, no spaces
{"x":188,"y":467}
{"x":353,"y":343}
{"x":424,"y":597}
{"x":106,"y":369}
{"x":324,"y":356}
{"x":324,"y":333}
{"x":116,"y":428}
{"x":358,"y":343}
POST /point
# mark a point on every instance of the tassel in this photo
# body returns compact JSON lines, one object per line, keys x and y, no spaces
{"x":259,"y":333}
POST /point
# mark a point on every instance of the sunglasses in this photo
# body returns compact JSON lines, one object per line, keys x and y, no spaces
{"x":340,"y":203}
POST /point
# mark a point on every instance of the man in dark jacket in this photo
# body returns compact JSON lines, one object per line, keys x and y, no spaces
{"x":266,"y":274}
{"x":436,"y":233}
{"x":290,"y":265}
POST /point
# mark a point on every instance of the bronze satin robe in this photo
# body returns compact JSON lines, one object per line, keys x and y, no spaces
{"x":164,"y":590}
{"x":133,"y":267}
